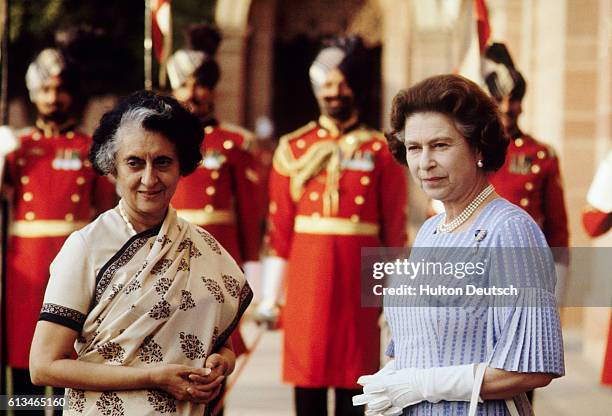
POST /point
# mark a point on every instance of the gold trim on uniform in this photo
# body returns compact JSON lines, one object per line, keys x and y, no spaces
{"x":214,"y":174}
{"x":524,"y":202}
{"x":25,"y":180}
{"x":333,"y":226}
{"x":365,"y":180}
{"x":210,"y":190}
{"x":541,"y":154}
{"x":199,"y":217}
{"x":75,"y":198}
{"x":45,"y":228}
{"x":359,"y":200}
{"x":80,"y":180}
{"x":28,"y":196}
{"x":228,"y":144}
{"x":301,"y":143}
{"x":529,"y":186}
{"x":535,"y":169}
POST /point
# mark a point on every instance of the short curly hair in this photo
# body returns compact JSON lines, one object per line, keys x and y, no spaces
{"x":476,"y":116}
{"x":156,"y":113}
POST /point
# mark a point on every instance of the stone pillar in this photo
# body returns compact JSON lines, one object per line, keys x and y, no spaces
{"x":231,"y":16}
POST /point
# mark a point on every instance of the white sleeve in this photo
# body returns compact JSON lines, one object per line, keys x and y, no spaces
{"x":71,"y":285}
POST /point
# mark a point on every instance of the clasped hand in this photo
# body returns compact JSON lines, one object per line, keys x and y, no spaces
{"x":198,"y":385}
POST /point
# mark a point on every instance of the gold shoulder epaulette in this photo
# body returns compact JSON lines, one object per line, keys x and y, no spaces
{"x":299,"y":132}
{"x":248,"y":136}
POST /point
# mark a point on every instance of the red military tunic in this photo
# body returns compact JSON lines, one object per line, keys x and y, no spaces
{"x":531,"y":179}
{"x":224,"y":195}
{"x":330,"y":195}
{"x":56,"y":192}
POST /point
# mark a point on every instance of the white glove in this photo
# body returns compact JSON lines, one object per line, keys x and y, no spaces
{"x":8,"y":141}
{"x":252,"y":273}
{"x":273,"y":272}
{"x":599,"y":195}
{"x":386,"y":394}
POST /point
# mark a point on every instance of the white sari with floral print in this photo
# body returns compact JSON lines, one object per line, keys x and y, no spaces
{"x":168,"y":295}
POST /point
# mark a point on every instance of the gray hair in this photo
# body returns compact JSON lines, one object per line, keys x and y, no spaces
{"x":131,"y":119}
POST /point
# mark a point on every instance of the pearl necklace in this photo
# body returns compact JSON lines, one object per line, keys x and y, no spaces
{"x":125,"y":217}
{"x":467,"y":212}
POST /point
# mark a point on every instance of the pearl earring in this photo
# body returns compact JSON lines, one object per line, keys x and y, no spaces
{"x":479,"y":163}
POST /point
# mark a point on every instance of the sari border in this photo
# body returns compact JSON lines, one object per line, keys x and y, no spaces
{"x":120,"y":259}
{"x":62,"y":315}
{"x":245,"y":300}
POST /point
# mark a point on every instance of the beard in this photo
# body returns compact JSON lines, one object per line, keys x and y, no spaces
{"x":55,"y":116}
{"x":340,"y":108}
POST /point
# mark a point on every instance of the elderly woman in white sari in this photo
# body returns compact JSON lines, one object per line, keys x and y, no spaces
{"x":146,"y":299}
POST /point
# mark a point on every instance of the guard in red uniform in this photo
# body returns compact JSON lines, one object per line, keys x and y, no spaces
{"x":55,"y":192}
{"x":530,"y":178}
{"x":334,"y":188}
{"x":597,"y":220}
{"x":224,"y":194}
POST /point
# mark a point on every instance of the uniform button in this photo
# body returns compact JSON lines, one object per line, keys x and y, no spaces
{"x":28,"y":196}
{"x":69,"y":217}
{"x":30,"y":216}
{"x":87,"y":163}
{"x":208,"y":208}
{"x":535,"y":169}
{"x":214,"y":174}
{"x":70,"y":135}
{"x":316,"y":215}
{"x":228,"y":144}
{"x":313,"y":196}
{"x":541,"y":154}
{"x":359,"y":200}
{"x":321,"y":133}
{"x":208,"y":129}
{"x":519,"y":142}
{"x":524,"y":202}
{"x":354,"y":218}
{"x":365,"y":180}
{"x":377,"y":146}
{"x":36,"y":136}
{"x":529,"y":186}
{"x":300,"y":144}
{"x":272,"y":207}
{"x":25,"y":180}
{"x":21,"y":161}
{"x":80,"y":180}
{"x":75,"y":198}
{"x":210,"y":190}
{"x":350,"y":140}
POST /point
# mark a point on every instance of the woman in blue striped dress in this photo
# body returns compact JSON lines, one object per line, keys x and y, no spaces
{"x":481,"y":355}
